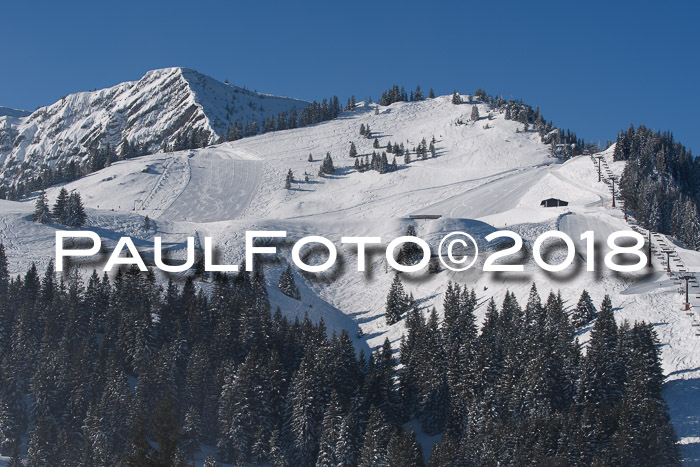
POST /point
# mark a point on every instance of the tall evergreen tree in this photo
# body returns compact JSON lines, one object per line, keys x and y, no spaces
{"x":75,"y":212}
{"x":42,"y":213}
{"x":287,"y":286}
{"x":396,"y":301}
{"x":584,"y":312}
{"x":60,"y":207}
{"x":475,"y":113}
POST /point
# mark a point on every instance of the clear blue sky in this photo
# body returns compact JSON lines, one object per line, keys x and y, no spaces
{"x":592,"y":67}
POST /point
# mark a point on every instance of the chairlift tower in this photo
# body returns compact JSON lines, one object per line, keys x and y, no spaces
{"x":600,"y":161}
{"x":686,"y":305}
{"x":668,"y":259}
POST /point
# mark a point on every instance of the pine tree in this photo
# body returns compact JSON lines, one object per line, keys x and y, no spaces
{"x":75,"y":212}
{"x":42,"y":213}
{"x":431,"y":95}
{"x":287,"y":286}
{"x":277,"y":455}
{"x":418,"y":94}
{"x":600,"y":373}
{"x":9,"y":429}
{"x":644,"y":435}
{"x":348,"y":444}
{"x":475,"y":113}
{"x":289,"y":180}
{"x":244,"y":407}
{"x":327,"y":166}
{"x":307,"y":398}
{"x":166,"y":434}
{"x":191,"y":432}
{"x":330,"y":433}
{"x":396,"y":301}
{"x":410,"y":253}
{"x":376,"y":439}
{"x":42,"y":444}
{"x":404,"y":450}
{"x":311,"y":158}
{"x":456,"y":99}
{"x":353,"y":150}
{"x":60,"y":207}
{"x":584,"y":312}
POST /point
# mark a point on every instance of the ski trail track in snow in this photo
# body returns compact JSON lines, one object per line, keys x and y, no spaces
{"x":218,"y":188}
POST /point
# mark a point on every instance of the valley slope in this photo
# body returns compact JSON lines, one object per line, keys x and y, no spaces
{"x":481,"y":180}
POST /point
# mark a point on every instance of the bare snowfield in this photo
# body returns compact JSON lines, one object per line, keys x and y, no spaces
{"x":482,"y":180}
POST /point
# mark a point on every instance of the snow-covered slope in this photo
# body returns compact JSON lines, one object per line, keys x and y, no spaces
{"x":482,"y":179}
{"x":151,"y":114}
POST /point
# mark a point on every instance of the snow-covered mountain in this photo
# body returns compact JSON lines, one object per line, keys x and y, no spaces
{"x":486,"y":175}
{"x":150,"y":114}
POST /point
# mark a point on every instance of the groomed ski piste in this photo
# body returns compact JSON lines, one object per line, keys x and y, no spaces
{"x":481,"y":180}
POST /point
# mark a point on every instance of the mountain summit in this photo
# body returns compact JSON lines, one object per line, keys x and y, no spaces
{"x":164,"y":110}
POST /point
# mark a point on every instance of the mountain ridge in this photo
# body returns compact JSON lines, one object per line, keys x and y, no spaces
{"x":155,"y":113}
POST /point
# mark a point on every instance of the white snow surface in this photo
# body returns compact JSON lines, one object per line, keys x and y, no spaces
{"x":482,"y":180}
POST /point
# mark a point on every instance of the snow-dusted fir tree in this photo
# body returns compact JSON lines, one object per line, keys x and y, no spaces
{"x":289,"y":180}
{"x":418,"y":94}
{"x":456,"y":99}
{"x":9,"y":429}
{"x":403,"y":449}
{"x":396,"y":301}
{"x":59,"y":207}
{"x":475,"y":113}
{"x":353,"y":150}
{"x":690,"y":228}
{"x":191,"y":432}
{"x":347,"y":447}
{"x":600,"y":375}
{"x":330,"y":433}
{"x":42,"y":213}
{"x":327,"y":166}
{"x":75,"y":212}
{"x":287,"y":284}
{"x":376,"y":439}
{"x":410,"y":253}
{"x":584,"y":312}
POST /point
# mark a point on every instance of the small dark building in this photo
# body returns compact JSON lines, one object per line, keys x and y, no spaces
{"x":553,"y":203}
